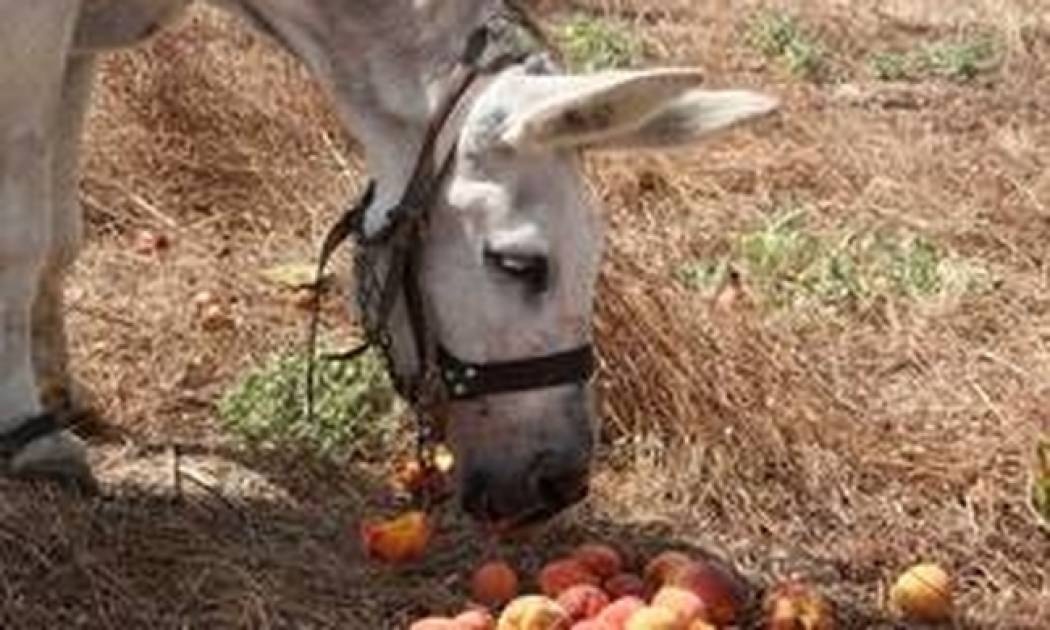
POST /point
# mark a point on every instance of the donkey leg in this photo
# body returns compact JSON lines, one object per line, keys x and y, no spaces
{"x":34,"y":42}
{"x":50,"y":353}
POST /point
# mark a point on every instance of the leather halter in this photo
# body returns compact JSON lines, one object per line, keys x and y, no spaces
{"x":440,"y":374}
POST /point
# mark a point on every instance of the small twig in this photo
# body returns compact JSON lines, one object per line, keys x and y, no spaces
{"x":176,"y":473}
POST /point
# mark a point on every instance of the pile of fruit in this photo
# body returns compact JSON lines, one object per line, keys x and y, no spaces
{"x":592,"y":589}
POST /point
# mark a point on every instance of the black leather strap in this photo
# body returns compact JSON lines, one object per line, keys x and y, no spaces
{"x":30,"y":430}
{"x":465,"y":380}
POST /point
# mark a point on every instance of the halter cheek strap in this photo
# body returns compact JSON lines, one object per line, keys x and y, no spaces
{"x":440,"y":375}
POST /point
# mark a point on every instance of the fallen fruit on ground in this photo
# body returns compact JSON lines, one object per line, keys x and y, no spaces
{"x":624,"y":584}
{"x":583,"y":601}
{"x":397,"y":540}
{"x":534,"y":612}
{"x":435,"y":623}
{"x":722,"y":593}
{"x":685,"y":604}
{"x":409,"y":475}
{"x":659,"y":569}
{"x":475,"y":620}
{"x":601,"y":560}
{"x":655,"y":618}
{"x":794,"y":605}
{"x":494,"y":584}
{"x":589,"y":624}
{"x":616,"y":614}
{"x":559,"y":575}
{"x":923,"y":593}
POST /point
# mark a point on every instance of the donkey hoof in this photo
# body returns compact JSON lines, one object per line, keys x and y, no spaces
{"x":60,"y":457}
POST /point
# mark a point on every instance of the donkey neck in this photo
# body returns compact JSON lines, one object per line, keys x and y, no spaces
{"x":386,"y":64}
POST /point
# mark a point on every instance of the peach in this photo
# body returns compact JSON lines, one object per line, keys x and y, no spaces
{"x":475,"y":620}
{"x":616,"y":614}
{"x":700,"y":624}
{"x":559,"y":575}
{"x":722,"y":593}
{"x":686,"y":604}
{"x":533,"y":612}
{"x":794,"y":605}
{"x":583,"y":601}
{"x":590,"y":624}
{"x":659,"y":569}
{"x":409,"y":475}
{"x":623,"y":584}
{"x":435,"y":623}
{"x":401,"y":539}
{"x":602,"y":560}
{"x":923,"y":593}
{"x":494,"y":584}
{"x":654,"y":618}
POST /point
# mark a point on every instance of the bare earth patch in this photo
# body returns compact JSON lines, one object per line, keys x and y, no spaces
{"x":843,"y":443}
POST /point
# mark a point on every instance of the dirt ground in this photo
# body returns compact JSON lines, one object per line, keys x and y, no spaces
{"x":840,"y":441}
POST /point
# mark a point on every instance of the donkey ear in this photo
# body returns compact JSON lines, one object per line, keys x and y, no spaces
{"x":644,"y":109}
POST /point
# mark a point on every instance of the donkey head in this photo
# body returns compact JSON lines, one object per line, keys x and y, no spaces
{"x":510,"y":259}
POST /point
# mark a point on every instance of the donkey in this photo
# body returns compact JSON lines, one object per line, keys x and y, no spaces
{"x":504,"y":266}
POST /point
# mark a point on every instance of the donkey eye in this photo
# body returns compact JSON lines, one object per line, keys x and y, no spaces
{"x":530,"y":269}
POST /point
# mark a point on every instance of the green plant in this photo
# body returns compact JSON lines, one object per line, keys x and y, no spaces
{"x":893,"y":66}
{"x":354,"y":415}
{"x":779,"y":35}
{"x":592,"y":44}
{"x":961,"y":60}
{"x":791,"y":266}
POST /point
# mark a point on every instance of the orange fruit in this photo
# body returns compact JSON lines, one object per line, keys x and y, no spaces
{"x":397,"y":540}
{"x":602,"y":560}
{"x":560,"y":574}
{"x":923,"y":593}
{"x":494,"y":584}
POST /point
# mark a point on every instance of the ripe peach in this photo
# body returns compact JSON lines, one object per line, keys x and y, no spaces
{"x":583,"y":601}
{"x":409,"y":475}
{"x":924,"y":593}
{"x":623,"y":584}
{"x":559,"y":575}
{"x":794,"y":605}
{"x":590,"y":624}
{"x":659,"y":569}
{"x":475,"y":620}
{"x":602,"y":560}
{"x":397,"y":540}
{"x":494,"y":584}
{"x":435,"y":623}
{"x":533,"y":612}
{"x":654,"y":618}
{"x":616,"y":614}
{"x":722,"y":593}
{"x":686,"y":604}
{"x":700,"y":624}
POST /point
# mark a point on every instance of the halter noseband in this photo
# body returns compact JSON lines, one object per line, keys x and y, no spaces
{"x":440,"y":375}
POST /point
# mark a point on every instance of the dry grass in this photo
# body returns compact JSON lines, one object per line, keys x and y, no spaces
{"x":841,"y":443}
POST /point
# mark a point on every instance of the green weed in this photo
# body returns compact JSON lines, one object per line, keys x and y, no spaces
{"x":791,"y":266}
{"x":355,"y":407}
{"x":958,"y":60}
{"x":779,"y":35}
{"x":591,"y":44}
